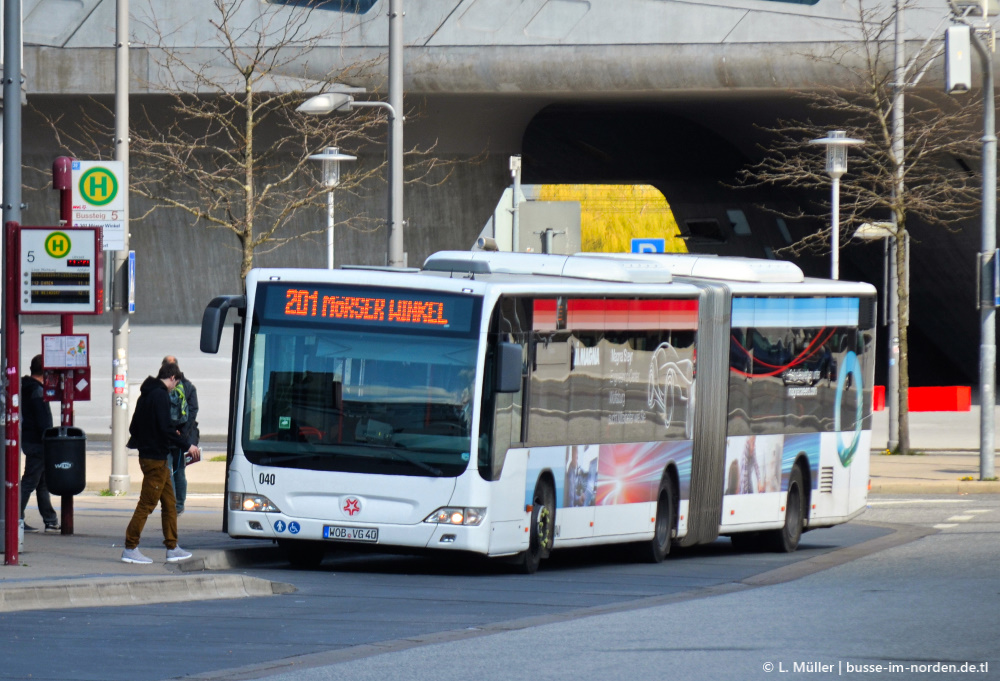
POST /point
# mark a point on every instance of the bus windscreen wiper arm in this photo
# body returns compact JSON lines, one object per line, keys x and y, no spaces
{"x":290,"y":457}
{"x":416,"y":462}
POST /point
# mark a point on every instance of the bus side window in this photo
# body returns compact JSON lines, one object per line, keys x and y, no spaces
{"x":740,"y":382}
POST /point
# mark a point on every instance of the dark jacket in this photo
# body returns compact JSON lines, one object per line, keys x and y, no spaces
{"x":36,"y":414}
{"x":150,"y":427}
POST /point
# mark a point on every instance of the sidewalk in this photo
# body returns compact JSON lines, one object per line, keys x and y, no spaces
{"x":931,"y":473}
{"x":84,"y":569}
{"x":946,"y":446}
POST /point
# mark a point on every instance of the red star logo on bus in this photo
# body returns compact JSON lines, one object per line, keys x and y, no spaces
{"x":352,"y":506}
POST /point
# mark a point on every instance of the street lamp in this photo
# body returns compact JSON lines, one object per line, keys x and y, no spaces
{"x":836,"y":143}
{"x":341,"y":102}
{"x":331,"y":159}
{"x":983,"y":38}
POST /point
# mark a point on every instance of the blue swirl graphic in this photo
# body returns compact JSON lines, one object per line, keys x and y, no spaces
{"x":849,"y":366}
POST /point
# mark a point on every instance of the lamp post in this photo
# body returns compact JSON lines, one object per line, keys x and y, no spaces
{"x":836,"y":143}
{"x":978,"y":31}
{"x":341,"y":102}
{"x":331,"y":159}
{"x":988,"y":296}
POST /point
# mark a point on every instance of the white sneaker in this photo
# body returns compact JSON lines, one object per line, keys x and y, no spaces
{"x":177,"y":554}
{"x":135,"y":556}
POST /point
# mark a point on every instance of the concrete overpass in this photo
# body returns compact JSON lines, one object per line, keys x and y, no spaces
{"x":669,"y":93}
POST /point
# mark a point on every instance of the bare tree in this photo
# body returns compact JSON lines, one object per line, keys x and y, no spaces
{"x":935,"y":189}
{"x":220,"y":139}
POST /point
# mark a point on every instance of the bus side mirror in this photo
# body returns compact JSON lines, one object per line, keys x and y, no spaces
{"x":214,"y":319}
{"x":509,"y":365}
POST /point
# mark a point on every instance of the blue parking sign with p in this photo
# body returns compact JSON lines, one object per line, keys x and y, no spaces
{"x":649,"y":245}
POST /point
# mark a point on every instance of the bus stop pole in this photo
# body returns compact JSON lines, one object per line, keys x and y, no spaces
{"x":66,"y":419}
{"x":62,"y":169}
{"x":119,"y":480}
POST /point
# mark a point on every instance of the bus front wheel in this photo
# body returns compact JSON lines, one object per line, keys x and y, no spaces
{"x":542,"y":529}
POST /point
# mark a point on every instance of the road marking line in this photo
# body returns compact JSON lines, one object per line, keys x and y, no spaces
{"x":980,"y":510}
{"x":960,"y":517}
{"x":945,"y":526}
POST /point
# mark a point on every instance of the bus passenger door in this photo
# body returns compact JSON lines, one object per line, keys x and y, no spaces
{"x":576,"y":496}
{"x":753,"y":487}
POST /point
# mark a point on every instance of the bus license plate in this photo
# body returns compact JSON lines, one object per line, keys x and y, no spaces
{"x":340,"y":533}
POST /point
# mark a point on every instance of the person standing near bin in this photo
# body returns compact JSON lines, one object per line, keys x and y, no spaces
{"x":184,"y":418}
{"x":36,"y":418}
{"x":153,"y":435}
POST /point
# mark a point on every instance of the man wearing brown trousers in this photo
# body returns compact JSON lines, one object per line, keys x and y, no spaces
{"x":152,"y":435}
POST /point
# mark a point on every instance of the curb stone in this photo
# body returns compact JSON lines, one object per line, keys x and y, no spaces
{"x":935,"y":487}
{"x":118,"y":591}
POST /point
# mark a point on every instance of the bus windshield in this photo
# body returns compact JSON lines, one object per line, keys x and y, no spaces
{"x":332,"y":397}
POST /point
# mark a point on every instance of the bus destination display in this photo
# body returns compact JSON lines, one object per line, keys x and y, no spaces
{"x":368,"y":307}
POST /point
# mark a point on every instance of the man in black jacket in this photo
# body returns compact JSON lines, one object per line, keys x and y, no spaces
{"x":152,"y":435}
{"x":36,"y":417}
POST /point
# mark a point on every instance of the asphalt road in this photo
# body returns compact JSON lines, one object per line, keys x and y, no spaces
{"x":924,"y":609}
{"x":381,"y":603}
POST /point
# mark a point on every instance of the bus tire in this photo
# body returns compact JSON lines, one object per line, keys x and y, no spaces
{"x":659,"y":546}
{"x":542,"y":530}
{"x":303,"y":555}
{"x":786,"y":540}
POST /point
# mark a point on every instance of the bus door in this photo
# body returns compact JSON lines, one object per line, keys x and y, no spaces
{"x":577,"y":512}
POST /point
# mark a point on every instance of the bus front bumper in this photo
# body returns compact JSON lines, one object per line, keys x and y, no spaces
{"x":474,"y":538}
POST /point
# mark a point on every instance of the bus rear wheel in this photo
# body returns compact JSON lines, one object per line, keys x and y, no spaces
{"x":542,"y":530}
{"x":786,"y":540}
{"x":659,"y":546}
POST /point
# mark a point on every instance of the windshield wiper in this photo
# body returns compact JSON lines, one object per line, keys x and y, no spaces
{"x":293,"y":457}
{"x":416,"y":462}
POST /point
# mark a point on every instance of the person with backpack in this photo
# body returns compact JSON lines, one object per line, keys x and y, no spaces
{"x":184,"y":418}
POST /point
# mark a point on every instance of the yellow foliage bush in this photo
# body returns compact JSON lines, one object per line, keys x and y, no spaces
{"x":611,"y":215}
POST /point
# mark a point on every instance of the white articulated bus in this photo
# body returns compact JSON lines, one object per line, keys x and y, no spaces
{"x":511,"y":404}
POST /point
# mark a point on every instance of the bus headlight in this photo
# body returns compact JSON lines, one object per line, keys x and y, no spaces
{"x":450,"y":515}
{"x":239,"y":501}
